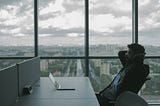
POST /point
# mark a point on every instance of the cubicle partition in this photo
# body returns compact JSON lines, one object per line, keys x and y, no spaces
{"x":8,"y":86}
{"x":28,"y":73}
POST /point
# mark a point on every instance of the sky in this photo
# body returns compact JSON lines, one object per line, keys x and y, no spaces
{"x":61,"y":22}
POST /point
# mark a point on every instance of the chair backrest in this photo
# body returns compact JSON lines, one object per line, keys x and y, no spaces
{"x":145,"y":79}
{"x":140,"y":79}
{"x":128,"y":98}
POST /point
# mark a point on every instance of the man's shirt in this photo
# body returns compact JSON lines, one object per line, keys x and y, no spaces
{"x":110,"y":92}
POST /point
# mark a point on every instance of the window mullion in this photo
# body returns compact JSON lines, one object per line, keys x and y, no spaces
{"x":87,"y":37}
{"x":134,"y":21}
{"x":35,"y":28}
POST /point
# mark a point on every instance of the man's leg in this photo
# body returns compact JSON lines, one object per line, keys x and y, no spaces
{"x":104,"y":101}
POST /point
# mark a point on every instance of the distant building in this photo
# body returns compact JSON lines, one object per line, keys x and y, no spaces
{"x":51,"y":61}
{"x":44,"y":65}
{"x":97,"y":63}
{"x":28,"y":54}
{"x":105,"y":68}
{"x":57,"y":73}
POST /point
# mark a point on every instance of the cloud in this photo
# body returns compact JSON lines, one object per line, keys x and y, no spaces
{"x":75,"y":5}
{"x":60,"y":32}
{"x":17,"y":19}
{"x":149,"y":16}
{"x":45,"y":35}
{"x":108,"y":23}
{"x":53,"y":7}
{"x":122,"y":5}
{"x":73,"y":35}
{"x":116,"y":7}
{"x":144,"y":2}
{"x":4,"y":14}
{"x":3,"y":3}
{"x":70,"y":20}
{"x":110,"y":17}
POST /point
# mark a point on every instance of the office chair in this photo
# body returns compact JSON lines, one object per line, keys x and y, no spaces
{"x":103,"y":100}
{"x":128,"y":98}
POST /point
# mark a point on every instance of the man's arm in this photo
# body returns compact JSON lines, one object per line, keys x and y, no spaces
{"x":121,"y":55}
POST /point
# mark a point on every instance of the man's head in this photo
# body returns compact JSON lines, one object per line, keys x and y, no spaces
{"x":136,"y":52}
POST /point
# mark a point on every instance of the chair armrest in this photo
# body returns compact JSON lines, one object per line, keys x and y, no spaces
{"x":97,"y":95}
{"x":103,"y":101}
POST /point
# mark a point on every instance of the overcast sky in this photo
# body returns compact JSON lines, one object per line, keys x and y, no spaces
{"x":62,"y":22}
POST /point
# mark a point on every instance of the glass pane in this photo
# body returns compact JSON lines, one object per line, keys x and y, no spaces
{"x":63,"y":67}
{"x":151,"y":89}
{"x":149,"y":26}
{"x":7,"y":63}
{"x":110,"y":26}
{"x":61,"y":27}
{"x":16,"y":28}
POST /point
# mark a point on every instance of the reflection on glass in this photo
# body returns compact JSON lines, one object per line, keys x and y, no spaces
{"x":102,"y":72}
{"x":149,"y":25}
{"x":16,"y":28}
{"x":110,"y":26}
{"x":63,"y":67}
{"x":61,"y":27}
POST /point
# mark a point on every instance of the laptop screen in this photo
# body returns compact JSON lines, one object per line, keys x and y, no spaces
{"x":54,"y":82}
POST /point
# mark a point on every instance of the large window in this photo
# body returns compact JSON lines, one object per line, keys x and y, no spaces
{"x":110,"y":26}
{"x":64,"y":37}
{"x":61,"y":27}
{"x":149,"y":26}
{"x":16,"y":28}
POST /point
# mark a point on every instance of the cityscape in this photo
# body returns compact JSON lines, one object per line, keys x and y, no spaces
{"x":101,"y":71}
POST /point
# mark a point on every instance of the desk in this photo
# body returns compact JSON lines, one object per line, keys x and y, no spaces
{"x":44,"y":93}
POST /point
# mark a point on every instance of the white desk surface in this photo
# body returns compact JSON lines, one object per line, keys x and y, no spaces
{"x":45,"y":94}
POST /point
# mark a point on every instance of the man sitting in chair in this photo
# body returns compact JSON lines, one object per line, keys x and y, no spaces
{"x":130,"y":78}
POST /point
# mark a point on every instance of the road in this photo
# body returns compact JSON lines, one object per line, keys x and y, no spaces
{"x":79,"y":70}
{"x":93,"y":75}
{"x":67,"y":72}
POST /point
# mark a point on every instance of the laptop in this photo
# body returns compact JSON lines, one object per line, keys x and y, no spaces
{"x":56,"y":84}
